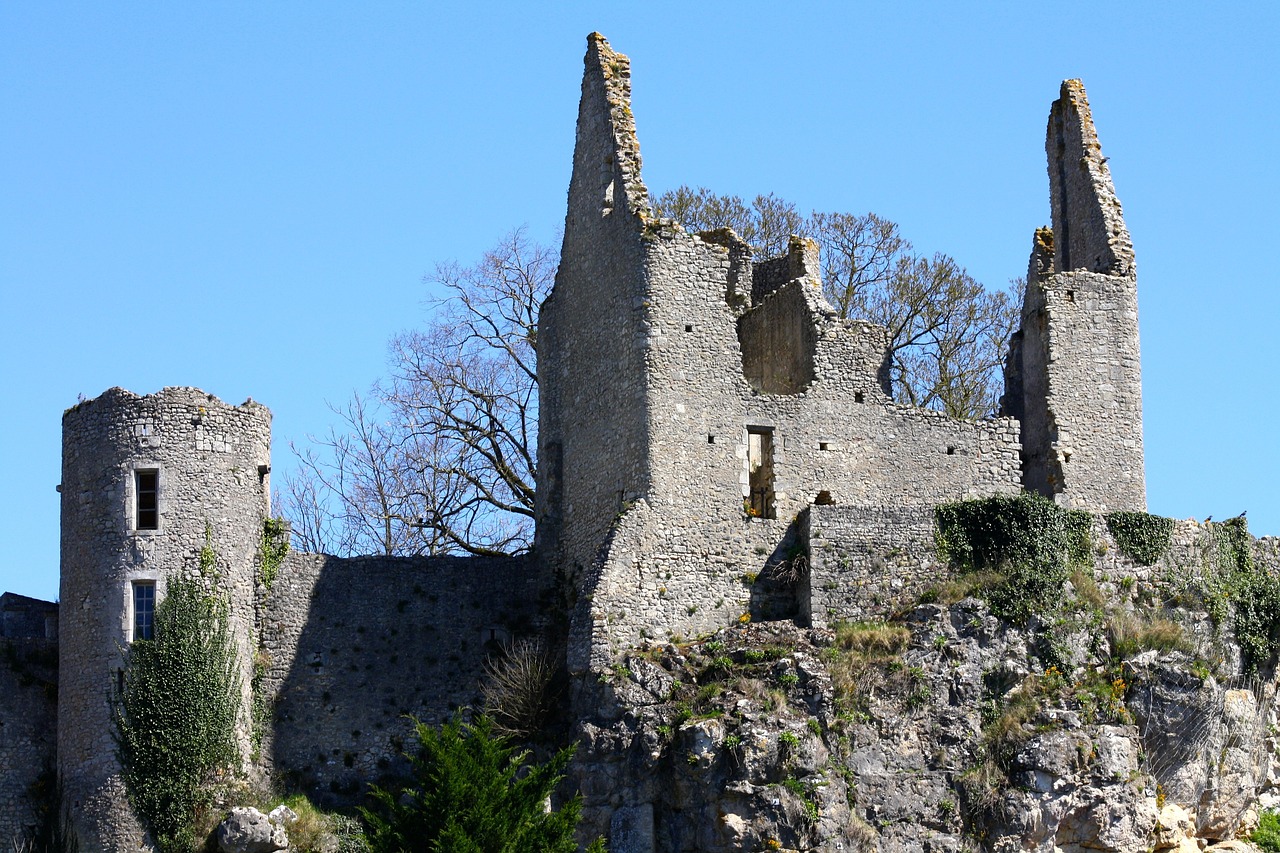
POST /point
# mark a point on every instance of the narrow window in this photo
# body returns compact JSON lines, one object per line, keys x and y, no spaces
{"x":688,"y":328}
{"x":711,"y":439}
{"x":146,"y":485}
{"x":1071,"y":296}
{"x":951,"y":450}
{"x":144,"y":609}
{"x":857,"y":397}
{"x":760,"y":469}
{"x":822,"y":445}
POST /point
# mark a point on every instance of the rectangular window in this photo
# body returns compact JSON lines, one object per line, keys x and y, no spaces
{"x":144,"y":609}
{"x":760,"y":470}
{"x":146,"y":485}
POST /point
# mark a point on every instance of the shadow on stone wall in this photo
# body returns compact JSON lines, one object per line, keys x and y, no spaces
{"x":354,"y":648}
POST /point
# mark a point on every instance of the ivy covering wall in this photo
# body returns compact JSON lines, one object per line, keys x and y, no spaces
{"x":1028,"y":542}
{"x":175,"y":716}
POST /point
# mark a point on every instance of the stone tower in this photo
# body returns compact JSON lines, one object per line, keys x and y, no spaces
{"x":696,"y":400}
{"x":147,"y":484}
{"x":1074,"y":376}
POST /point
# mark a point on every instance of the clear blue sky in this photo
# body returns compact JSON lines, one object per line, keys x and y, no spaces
{"x":245,"y":196}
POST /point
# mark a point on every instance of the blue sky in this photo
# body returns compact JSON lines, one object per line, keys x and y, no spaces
{"x":245,"y":197}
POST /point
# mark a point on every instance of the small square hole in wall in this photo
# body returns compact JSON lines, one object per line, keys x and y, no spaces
{"x":951,"y":450}
{"x":1066,"y":457}
{"x":824,"y":445}
{"x":1071,"y":296}
{"x":711,"y":439}
{"x":688,"y":327}
{"x":857,"y":397}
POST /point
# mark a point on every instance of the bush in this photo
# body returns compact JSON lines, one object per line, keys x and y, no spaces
{"x":175,"y":719}
{"x":1028,"y":539}
{"x":472,"y":792}
{"x":1142,"y":537}
{"x":1267,"y":835}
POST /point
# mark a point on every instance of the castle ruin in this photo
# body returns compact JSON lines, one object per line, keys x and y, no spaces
{"x":705,"y":416}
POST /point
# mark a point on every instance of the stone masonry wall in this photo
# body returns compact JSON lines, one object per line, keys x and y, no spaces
{"x":28,"y":723}
{"x":1076,"y":360}
{"x":352,"y":647}
{"x":871,"y":562}
{"x":592,"y":428}
{"x":660,"y":368}
{"x":866,"y":562}
{"x":212,"y":460}
{"x":676,"y":559}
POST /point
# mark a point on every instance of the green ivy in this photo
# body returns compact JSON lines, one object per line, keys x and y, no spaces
{"x":272,"y":549}
{"x":208,"y":556}
{"x":1142,"y":537}
{"x":1235,"y":587}
{"x":1028,"y":539}
{"x":175,"y":717}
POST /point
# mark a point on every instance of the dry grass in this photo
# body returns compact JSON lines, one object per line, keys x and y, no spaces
{"x":1131,"y":634}
{"x":959,"y":588}
{"x":1087,"y":591}
{"x":864,"y":652}
{"x":874,"y":642}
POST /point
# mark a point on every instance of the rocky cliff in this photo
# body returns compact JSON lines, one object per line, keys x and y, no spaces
{"x":1126,"y":707}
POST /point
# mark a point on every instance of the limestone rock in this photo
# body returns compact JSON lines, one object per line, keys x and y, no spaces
{"x":247,"y":830}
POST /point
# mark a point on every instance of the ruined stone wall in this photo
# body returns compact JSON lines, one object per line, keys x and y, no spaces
{"x":353,"y":647}
{"x":213,"y":459}
{"x":28,"y":723}
{"x":866,"y":562}
{"x":711,"y":365}
{"x":1077,"y":362}
{"x":677,"y":560}
{"x":592,"y":438}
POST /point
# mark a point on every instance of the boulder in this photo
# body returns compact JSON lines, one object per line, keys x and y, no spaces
{"x":247,"y":830}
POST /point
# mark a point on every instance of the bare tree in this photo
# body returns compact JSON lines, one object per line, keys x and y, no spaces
{"x":354,"y":491}
{"x":947,"y":333}
{"x":443,"y":459}
{"x":767,"y":223}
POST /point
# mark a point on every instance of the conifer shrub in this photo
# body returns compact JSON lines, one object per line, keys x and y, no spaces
{"x":472,"y":791}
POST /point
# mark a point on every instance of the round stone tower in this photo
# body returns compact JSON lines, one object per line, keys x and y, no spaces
{"x":149,"y":485}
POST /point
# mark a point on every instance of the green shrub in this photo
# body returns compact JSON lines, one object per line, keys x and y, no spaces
{"x":1267,"y":835}
{"x":1031,"y":541}
{"x":175,"y":717}
{"x":471,"y":794}
{"x":1142,"y":537}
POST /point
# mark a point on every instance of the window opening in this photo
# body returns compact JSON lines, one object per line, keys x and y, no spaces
{"x":760,"y":470}
{"x":688,"y":328}
{"x":146,"y":485}
{"x":951,"y":450}
{"x":144,"y":610}
{"x":857,"y":396}
{"x":711,"y":439}
{"x":822,"y":445}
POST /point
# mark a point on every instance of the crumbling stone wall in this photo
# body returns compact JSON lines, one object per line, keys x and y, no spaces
{"x":351,"y":648}
{"x":1075,"y":375}
{"x":28,"y":722}
{"x":705,"y":365}
{"x":593,"y":438}
{"x":213,"y":460}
